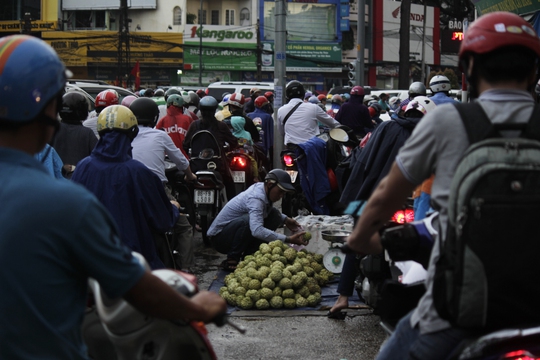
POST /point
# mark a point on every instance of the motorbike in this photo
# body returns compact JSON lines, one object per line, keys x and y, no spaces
{"x":339,"y":144}
{"x":181,"y":190}
{"x":241,"y":165}
{"x":116,"y":330}
{"x":209,"y":194}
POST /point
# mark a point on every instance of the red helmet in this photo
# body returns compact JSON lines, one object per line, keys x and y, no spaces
{"x":496,"y":30}
{"x":269,"y":95}
{"x":260,"y":101}
{"x":237,"y":99}
{"x":358,"y":90}
{"x":200,"y":93}
{"x":321,"y":97}
{"x":106,"y":98}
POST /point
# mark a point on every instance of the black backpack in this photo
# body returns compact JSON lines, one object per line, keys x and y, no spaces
{"x":487,"y":276}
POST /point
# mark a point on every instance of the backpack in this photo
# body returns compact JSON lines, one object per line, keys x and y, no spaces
{"x":487,"y":274}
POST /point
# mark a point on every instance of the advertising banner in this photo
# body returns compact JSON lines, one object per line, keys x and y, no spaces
{"x":223,"y":47}
{"x":515,"y":6}
{"x":316,"y":57}
{"x":38,"y":25}
{"x":97,"y":48}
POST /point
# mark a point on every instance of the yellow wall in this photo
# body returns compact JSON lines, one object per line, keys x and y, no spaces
{"x":49,"y":10}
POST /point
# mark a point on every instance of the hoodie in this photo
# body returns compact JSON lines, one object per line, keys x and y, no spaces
{"x":131,"y":192}
{"x":355,"y":115}
{"x":237,"y":124}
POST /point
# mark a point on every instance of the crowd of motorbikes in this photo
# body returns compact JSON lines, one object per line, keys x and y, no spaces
{"x":391,"y":283}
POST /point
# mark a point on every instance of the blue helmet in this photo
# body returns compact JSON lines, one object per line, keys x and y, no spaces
{"x":31,"y":75}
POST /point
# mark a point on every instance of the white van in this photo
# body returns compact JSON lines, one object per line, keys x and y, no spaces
{"x":217,"y":89}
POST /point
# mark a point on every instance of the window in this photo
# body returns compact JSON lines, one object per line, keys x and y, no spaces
{"x":83,"y":19}
{"x":229,"y":17}
{"x":215,"y":17}
{"x":202,"y":19}
{"x":177,"y":15}
{"x":244,"y":17}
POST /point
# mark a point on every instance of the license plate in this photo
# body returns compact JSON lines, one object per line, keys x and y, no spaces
{"x":293,"y":174}
{"x":204,"y":197}
{"x":239,"y":176}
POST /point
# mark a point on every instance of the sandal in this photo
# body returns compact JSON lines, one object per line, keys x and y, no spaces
{"x":338,"y":315}
{"x":229,"y":265}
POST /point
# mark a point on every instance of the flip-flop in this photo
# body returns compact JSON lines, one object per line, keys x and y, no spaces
{"x":229,"y":265}
{"x":338,"y":315}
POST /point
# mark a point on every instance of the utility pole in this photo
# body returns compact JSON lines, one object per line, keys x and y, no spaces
{"x":123,"y":45}
{"x":404,"y":44}
{"x":200,"y":44}
{"x":280,"y":73}
{"x":360,"y":42}
{"x":424,"y":75}
{"x":259,"y":53}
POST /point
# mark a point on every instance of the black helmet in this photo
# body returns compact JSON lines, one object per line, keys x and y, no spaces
{"x":281,"y":178}
{"x":193,"y":99}
{"x":74,"y":107}
{"x":159,"y":92}
{"x":146,"y":111}
{"x":171,"y":91}
{"x":208,"y":103}
{"x":295,"y":89}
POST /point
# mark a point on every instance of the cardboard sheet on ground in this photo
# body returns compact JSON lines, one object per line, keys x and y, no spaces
{"x":328,"y":293}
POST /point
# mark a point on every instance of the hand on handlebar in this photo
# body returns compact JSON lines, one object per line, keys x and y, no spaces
{"x":212,"y":304}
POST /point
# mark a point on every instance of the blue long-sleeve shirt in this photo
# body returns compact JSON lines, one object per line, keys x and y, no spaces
{"x":252,"y":201}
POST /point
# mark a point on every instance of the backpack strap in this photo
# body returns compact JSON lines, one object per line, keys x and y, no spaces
{"x":291,"y":112}
{"x":479,"y":127}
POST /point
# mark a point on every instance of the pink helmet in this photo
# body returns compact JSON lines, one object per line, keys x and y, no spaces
{"x":128,"y":100}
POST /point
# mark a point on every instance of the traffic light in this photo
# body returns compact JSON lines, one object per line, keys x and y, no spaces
{"x":352,"y":73}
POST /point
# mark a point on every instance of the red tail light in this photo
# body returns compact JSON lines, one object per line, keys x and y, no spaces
{"x":403,"y":216}
{"x":238,"y":162}
{"x":519,"y":355}
{"x":288,"y":160}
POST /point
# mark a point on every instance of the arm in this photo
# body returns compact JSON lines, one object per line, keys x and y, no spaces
{"x":389,"y":196}
{"x":174,"y":153}
{"x":325,"y":118}
{"x":187,"y":140}
{"x":153,"y":297}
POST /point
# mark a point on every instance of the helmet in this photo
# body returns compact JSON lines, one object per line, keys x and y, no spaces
{"x":146,"y":111}
{"x":117,"y":118}
{"x":128,"y":100}
{"x":337,"y":99}
{"x":422,"y":104}
{"x":175,"y":100}
{"x":208,"y":103}
{"x":329,"y":96}
{"x":141,"y":92}
{"x":372,"y":111}
{"x":170,"y":92}
{"x":313,"y":99}
{"x":439,"y":83}
{"x":237,"y":99}
{"x":394,"y":102}
{"x":149,"y":93}
{"x":254,"y":91}
{"x":377,"y":108}
{"x":106,"y":98}
{"x":358,"y":90}
{"x":346,"y":97}
{"x":308,"y":94}
{"x":496,"y":30}
{"x":417,"y":88}
{"x":159,"y":92}
{"x":294,"y":89}
{"x":269,"y":95}
{"x":260,"y":101}
{"x":281,"y":178}
{"x":200,"y":93}
{"x":193,"y":99}
{"x":31,"y":75}
{"x":74,"y":107}
{"x":321,"y":97}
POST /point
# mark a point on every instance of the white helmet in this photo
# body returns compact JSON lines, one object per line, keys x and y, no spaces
{"x":439,"y":83}
{"x":422,"y":104}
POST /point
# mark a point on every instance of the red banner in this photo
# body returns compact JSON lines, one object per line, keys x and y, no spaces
{"x":136,"y":71}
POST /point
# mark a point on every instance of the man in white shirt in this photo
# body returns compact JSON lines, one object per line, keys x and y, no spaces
{"x":303,"y":122}
{"x":150,"y":147}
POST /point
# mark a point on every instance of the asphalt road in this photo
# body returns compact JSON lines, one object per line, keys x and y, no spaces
{"x":288,"y":334}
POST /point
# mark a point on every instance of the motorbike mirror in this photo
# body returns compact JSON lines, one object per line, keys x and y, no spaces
{"x":206,"y":154}
{"x":339,"y":135}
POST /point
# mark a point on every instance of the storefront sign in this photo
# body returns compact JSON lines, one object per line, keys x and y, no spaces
{"x":515,"y":6}
{"x":38,"y":25}
{"x":82,"y":48}
{"x":319,"y":57}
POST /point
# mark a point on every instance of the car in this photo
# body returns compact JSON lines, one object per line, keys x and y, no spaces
{"x":217,"y":89}
{"x":94,"y":87}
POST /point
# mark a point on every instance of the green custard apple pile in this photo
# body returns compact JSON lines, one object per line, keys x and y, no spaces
{"x":276,"y":276}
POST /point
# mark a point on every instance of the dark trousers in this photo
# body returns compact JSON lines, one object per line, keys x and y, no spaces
{"x":348,"y":275}
{"x":236,"y":240}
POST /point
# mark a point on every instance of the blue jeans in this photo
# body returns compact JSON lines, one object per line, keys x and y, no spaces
{"x":235,"y":238}
{"x":421,"y":206}
{"x":407,"y":342}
